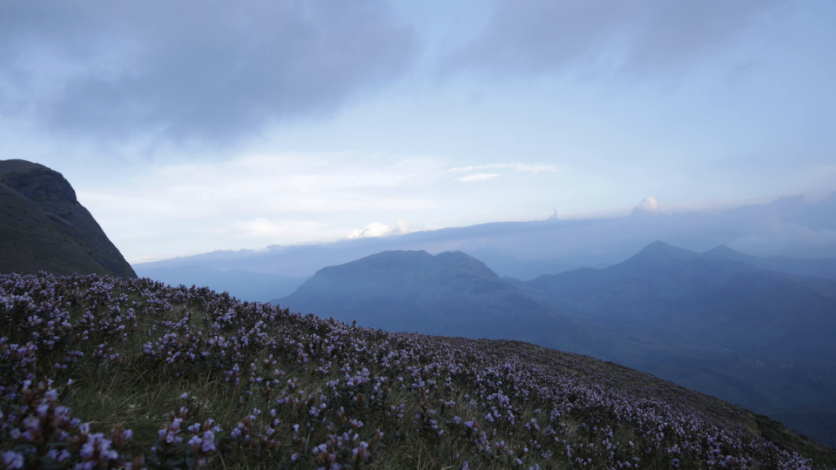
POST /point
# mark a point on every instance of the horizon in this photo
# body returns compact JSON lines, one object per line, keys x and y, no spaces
{"x":187,"y":129}
{"x":620,"y":214}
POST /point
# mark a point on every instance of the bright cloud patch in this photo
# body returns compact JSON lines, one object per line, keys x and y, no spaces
{"x":478,"y":177}
{"x":376,"y":229}
{"x":649,"y":205}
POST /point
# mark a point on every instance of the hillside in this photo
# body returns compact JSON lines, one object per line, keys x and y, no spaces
{"x":412,"y":291}
{"x":43,"y":226}
{"x":759,"y":338}
{"x":173,"y":378}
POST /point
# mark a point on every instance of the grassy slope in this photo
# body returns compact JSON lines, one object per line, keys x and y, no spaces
{"x":31,"y":242}
{"x":134,"y":376}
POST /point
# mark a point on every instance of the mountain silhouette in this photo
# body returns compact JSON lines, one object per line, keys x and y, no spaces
{"x":792,"y":227}
{"x":44,"y":227}
{"x":703,"y":299}
{"x":450,"y":293}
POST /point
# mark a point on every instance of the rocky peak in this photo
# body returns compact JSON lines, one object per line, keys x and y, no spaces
{"x":37,"y":182}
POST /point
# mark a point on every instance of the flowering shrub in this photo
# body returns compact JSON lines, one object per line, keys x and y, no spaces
{"x":176,"y":377}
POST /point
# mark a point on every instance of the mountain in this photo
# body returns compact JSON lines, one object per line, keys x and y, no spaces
{"x":44,"y":227}
{"x":450,"y":293}
{"x":709,"y":321}
{"x":786,"y":227}
{"x":240,"y":283}
{"x":688,"y":296}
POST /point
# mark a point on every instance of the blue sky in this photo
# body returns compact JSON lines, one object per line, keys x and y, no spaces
{"x":191,"y":127}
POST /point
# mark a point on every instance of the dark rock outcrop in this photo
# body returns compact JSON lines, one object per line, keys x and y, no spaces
{"x":43,"y":227}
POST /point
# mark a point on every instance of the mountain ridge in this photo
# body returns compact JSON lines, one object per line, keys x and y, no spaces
{"x":450,"y":293}
{"x":660,"y":274}
{"x":528,"y":249}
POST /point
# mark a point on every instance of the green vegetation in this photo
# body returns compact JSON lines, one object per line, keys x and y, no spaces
{"x":186,"y":378}
{"x":43,"y":227}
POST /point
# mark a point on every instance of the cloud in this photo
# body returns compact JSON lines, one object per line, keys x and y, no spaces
{"x":545,"y":36}
{"x":648,"y":206}
{"x":264,"y":186}
{"x":518,"y":167}
{"x":376,"y":229}
{"x":521,"y":167}
{"x":478,"y":177}
{"x":258,"y":200}
{"x":186,"y":70}
{"x":266,"y":228}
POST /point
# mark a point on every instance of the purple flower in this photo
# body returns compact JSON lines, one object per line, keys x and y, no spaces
{"x":57,"y":456}
{"x":208,"y":442}
{"x":11,"y":460}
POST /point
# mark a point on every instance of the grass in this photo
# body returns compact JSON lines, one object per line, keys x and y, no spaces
{"x":293,"y":391}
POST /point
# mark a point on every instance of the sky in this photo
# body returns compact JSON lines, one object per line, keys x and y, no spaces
{"x":192,"y":126}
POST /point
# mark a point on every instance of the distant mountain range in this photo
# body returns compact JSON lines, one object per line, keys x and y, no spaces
{"x":43,"y":226}
{"x":712,"y":321}
{"x":712,"y":299}
{"x":794,"y":228}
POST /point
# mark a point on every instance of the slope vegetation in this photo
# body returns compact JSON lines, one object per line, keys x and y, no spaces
{"x":168,"y":377}
{"x":43,"y":226}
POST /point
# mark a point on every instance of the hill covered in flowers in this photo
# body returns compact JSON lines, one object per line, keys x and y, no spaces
{"x":106,"y":372}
